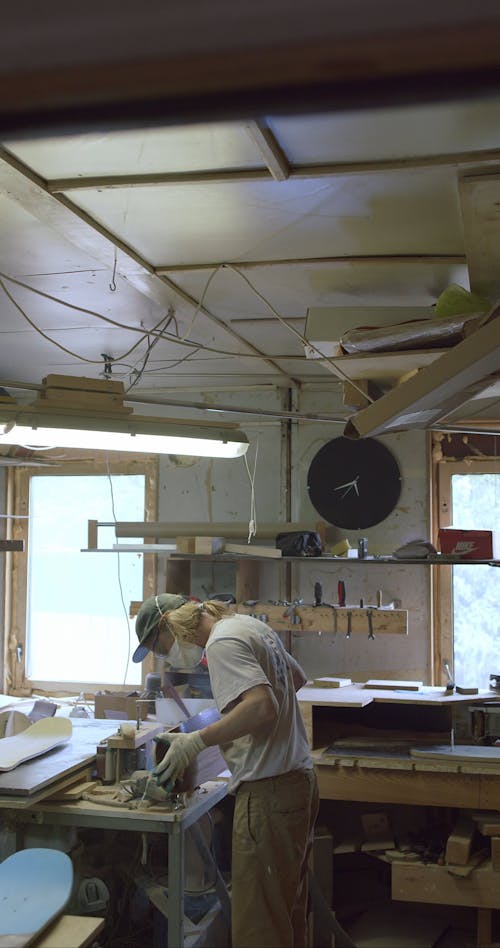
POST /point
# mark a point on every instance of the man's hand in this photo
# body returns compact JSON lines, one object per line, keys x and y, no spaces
{"x":182,"y":751}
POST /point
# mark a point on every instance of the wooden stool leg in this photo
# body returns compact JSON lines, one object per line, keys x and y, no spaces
{"x":483,"y":927}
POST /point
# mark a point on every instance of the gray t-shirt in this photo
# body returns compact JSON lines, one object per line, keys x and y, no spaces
{"x":243,"y":652}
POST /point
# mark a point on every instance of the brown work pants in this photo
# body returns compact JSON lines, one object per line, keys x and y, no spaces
{"x":272,"y":838}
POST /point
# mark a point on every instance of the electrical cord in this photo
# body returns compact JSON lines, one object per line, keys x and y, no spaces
{"x":252,"y":524}
{"x":120,"y":585}
{"x":303,"y":339}
{"x":138,"y":372}
{"x":58,"y":345}
{"x":201,"y":301}
{"x":145,"y":334}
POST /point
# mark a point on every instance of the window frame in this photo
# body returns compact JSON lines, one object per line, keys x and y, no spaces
{"x":16,"y":566}
{"x":443,"y":470}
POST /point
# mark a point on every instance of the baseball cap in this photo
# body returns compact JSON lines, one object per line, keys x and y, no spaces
{"x":149,"y":616}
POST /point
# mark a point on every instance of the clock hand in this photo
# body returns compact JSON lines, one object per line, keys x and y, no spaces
{"x":349,"y":485}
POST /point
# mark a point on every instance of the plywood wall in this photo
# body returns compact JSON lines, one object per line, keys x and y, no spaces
{"x":200,"y":490}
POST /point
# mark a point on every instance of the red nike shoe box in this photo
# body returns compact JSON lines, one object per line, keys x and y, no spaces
{"x":467,"y":544}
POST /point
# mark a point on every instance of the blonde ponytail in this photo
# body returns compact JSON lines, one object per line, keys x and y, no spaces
{"x":185,"y":620}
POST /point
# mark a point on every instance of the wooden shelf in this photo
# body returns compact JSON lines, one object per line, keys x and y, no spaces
{"x":382,"y":560}
{"x":352,"y":561}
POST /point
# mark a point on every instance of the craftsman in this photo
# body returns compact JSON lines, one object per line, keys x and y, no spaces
{"x":263,"y":740}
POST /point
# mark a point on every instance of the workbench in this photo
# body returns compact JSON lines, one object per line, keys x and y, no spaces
{"x":25,"y":794}
{"x":384,"y":776}
{"x":173,"y":824}
{"x":379,"y":771}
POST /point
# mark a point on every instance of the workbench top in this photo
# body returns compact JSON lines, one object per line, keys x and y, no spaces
{"x":357,"y":696}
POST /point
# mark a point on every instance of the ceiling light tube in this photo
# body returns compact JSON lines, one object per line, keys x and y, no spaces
{"x":36,"y":429}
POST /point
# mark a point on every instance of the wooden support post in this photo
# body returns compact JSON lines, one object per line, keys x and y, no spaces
{"x":483,"y":927}
{"x":92,"y":535}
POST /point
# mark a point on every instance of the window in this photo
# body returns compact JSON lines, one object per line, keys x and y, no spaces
{"x":467,"y":595}
{"x":70,"y":618}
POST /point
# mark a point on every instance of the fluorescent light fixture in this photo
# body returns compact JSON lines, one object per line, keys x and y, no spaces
{"x":431,"y":395}
{"x":110,"y":427}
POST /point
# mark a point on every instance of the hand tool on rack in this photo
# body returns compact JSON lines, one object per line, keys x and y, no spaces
{"x":370,"y":624}
{"x":290,"y":610}
{"x":318,"y":595}
{"x":341,"y":592}
{"x":349,"y":620}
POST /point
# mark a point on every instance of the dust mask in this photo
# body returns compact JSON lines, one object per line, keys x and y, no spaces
{"x":184,"y":655}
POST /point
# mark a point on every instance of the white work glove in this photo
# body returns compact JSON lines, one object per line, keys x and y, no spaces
{"x":182,"y":751}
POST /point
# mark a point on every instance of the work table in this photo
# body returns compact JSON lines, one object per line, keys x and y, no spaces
{"x":358,"y":695}
{"x":364,"y":742}
{"x":377,"y":769}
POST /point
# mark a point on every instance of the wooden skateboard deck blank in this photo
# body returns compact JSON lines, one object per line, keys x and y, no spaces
{"x":41,"y":737}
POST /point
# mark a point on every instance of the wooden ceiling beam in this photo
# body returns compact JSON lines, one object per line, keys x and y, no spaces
{"x":281,"y":172}
{"x":271,"y":151}
{"x":430,"y":259}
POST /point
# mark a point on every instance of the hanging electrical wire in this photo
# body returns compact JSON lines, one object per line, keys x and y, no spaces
{"x":252,"y":523}
{"x":70,"y":352}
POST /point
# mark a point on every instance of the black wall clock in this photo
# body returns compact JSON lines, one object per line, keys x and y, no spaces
{"x":354,"y":484}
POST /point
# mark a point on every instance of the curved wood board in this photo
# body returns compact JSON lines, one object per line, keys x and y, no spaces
{"x":36,"y":885}
{"x":41,"y":737}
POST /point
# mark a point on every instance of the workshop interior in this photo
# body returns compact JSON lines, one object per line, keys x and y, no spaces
{"x":250,"y":352}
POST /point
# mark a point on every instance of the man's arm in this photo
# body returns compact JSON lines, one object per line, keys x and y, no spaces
{"x":255,"y":710}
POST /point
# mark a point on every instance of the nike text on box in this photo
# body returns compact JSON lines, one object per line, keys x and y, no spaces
{"x":467,"y":544}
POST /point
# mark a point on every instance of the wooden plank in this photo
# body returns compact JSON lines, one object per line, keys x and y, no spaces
{"x":348,"y":697}
{"x":246,"y":549}
{"x":321,"y":619}
{"x":459,"y":842}
{"x":381,"y":366}
{"x":479,"y":197}
{"x":393,"y":685}
{"x":71,"y":931}
{"x":489,"y":796}
{"x":488,"y":824}
{"x":358,"y":694}
{"x":92,"y":535}
{"x":75,"y":791}
{"x":371,"y":785}
{"x":208,"y":545}
{"x":138,"y":738}
{"x":184,"y":544}
{"x":416,"y":882}
{"x":331,"y":682}
{"x":170,"y":529}
{"x":460,"y":752}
